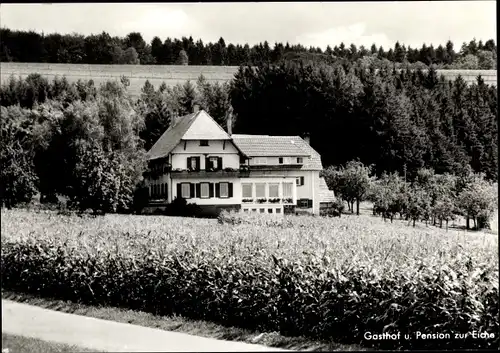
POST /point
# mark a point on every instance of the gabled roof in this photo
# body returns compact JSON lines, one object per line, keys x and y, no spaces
{"x":194,"y":126}
{"x":270,"y":146}
{"x":279,"y":146}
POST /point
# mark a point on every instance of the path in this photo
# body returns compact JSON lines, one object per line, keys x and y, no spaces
{"x":102,"y":335}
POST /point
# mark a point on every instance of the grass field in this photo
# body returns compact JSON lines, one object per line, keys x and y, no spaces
{"x":301,"y":276}
{"x":170,"y":74}
{"x":19,"y":344}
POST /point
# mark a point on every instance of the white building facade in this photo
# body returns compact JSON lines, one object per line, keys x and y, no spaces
{"x":195,"y":159}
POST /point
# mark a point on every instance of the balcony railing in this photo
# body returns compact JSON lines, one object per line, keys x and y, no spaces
{"x":271,"y":200}
{"x":209,"y":174}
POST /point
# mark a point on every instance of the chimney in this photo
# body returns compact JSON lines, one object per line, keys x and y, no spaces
{"x":196,"y":108}
{"x":307,"y":138}
{"x":175,"y":117}
{"x":229,"y":121}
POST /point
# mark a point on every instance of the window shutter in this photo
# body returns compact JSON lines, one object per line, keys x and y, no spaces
{"x":217,"y":190}
{"x":189,"y":163}
{"x":179,"y":190}
{"x":198,"y":190}
{"x":191,"y":190}
{"x":301,"y":180}
{"x":198,"y":164}
{"x":230,"y":189}
{"x":219,"y":162}
{"x":211,"y":189}
{"x":309,"y":203}
{"x":207,"y":163}
{"x":166,"y":191}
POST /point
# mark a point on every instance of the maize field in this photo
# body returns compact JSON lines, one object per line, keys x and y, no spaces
{"x":333,"y":279}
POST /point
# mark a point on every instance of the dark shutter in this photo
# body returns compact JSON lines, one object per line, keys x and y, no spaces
{"x":162,"y":188}
{"x":309,"y":203}
{"x":217,"y":190}
{"x":191,"y":190}
{"x":179,"y":190}
{"x":198,"y":164}
{"x":207,"y":163}
{"x":302,"y":180}
{"x":219,"y":163}
{"x":198,"y":190}
{"x":166,"y":191}
{"x":230,"y":189}
{"x":189,"y":163}
{"x":281,"y":160}
{"x":211,"y":189}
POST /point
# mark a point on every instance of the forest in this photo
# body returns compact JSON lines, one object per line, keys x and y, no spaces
{"x":33,"y":47}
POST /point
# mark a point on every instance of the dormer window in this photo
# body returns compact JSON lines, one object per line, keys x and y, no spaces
{"x":300,"y":160}
{"x":204,"y":143}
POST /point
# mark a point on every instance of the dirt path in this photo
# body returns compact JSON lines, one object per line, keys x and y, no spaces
{"x":102,"y":335}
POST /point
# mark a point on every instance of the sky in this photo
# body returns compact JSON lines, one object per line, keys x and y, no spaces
{"x":311,"y":24}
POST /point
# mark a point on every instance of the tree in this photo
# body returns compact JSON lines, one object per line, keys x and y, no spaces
{"x":486,"y":60}
{"x":477,"y":201}
{"x":183,"y":58}
{"x":350,"y":182}
{"x":18,"y":180}
{"x":130,"y":56}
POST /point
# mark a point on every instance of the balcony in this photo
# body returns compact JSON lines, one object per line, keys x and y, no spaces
{"x":209,"y":174}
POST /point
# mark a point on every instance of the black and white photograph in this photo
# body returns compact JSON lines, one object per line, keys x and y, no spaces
{"x":249,"y":176}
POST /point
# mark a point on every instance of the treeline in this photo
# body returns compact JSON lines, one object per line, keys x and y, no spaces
{"x":22,"y":46}
{"x":435,"y":199}
{"x":397,"y":120}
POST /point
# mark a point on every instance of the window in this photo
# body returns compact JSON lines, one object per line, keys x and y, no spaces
{"x":214,"y":162}
{"x":193,"y":163}
{"x":224,"y":190}
{"x":278,"y":210}
{"x":245,"y":210}
{"x":304,"y":203}
{"x":260,"y":190}
{"x":287,"y":160}
{"x":203,"y":142}
{"x":254,"y":210}
{"x":274,"y":190}
{"x":262,"y":210}
{"x":300,"y":181}
{"x":246,"y":191}
{"x":287,"y":190}
{"x":300,"y":160}
{"x":260,"y":160}
{"x":185,"y":191}
{"x":204,"y":190}
{"x":280,"y":160}
{"x":269,"y":210}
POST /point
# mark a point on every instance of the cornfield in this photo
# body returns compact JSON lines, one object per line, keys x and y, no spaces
{"x":325,"y":278}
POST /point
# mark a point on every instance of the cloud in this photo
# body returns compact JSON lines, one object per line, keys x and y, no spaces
{"x":355,"y":33}
{"x":160,"y":22}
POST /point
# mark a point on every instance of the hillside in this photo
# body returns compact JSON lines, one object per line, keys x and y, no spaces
{"x":170,"y":74}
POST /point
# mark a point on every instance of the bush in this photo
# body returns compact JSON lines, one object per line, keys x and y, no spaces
{"x":179,"y":207}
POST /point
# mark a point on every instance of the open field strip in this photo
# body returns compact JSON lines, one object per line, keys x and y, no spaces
{"x":332,"y":279}
{"x":170,"y":74}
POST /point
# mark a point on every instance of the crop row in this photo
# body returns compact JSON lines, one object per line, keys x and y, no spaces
{"x":312,"y":277}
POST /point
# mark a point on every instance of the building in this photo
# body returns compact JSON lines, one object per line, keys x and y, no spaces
{"x":196,"y":159}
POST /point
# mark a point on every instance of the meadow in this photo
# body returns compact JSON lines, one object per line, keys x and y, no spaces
{"x":170,"y":74}
{"x":326,"y":278}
